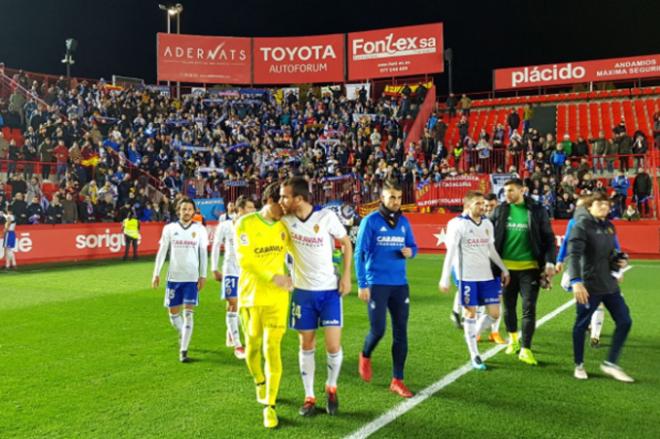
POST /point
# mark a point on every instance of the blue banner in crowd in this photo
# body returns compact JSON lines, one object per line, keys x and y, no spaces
{"x":238,"y":146}
{"x":236,"y":183}
{"x":210,"y":208}
{"x":193,"y":148}
{"x":253,"y":91}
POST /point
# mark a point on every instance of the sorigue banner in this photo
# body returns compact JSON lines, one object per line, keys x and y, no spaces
{"x":294,"y":60}
{"x":204,"y":59}
{"x":399,"y":51}
{"x":613,"y":69}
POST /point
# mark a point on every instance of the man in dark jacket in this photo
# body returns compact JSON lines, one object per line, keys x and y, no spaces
{"x":642,"y":189}
{"x":19,"y":208}
{"x":87,"y":210}
{"x":524,"y":239}
{"x":594,"y":270}
{"x":513,"y":120}
{"x":625,"y":150}
{"x":35,"y":212}
{"x":69,"y":209}
{"x":55,"y":212}
{"x":18,"y":185}
{"x":106,"y":210}
{"x":46,"y":156}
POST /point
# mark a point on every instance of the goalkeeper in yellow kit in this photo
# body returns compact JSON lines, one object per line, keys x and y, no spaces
{"x":262,"y":243}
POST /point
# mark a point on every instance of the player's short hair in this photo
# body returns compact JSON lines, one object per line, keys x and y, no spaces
{"x":272,"y":191}
{"x":514,"y":181}
{"x":490,"y":197}
{"x":392,"y":185}
{"x":299,"y":186}
{"x":186,"y":200}
{"x":598,"y":196}
{"x":471,"y":195}
{"x":583,"y":200}
{"x":241,"y":202}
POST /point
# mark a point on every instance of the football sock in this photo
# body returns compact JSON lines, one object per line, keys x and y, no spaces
{"x":273,"y":357}
{"x":469,"y":330}
{"x":597,"y":319}
{"x":334,"y":367}
{"x":186,"y":333}
{"x":10,"y":259}
{"x":232,"y":324}
{"x":307,"y":366}
{"x":177,"y":322}
{"x":457,"y":303}
{"x":484,"y":322}
{"x":495,"y":327}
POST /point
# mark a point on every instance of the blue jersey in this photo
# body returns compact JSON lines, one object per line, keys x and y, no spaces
{"x":378,"y":258}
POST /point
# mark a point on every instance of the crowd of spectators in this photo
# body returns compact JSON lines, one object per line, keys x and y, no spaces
{"x":94,"y":137}
{"x":555,"y":172}
{"x":104,"y":148}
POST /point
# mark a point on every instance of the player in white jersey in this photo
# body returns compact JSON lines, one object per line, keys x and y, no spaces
{"x":224,"y":235}
{"x":9,"y":240}
{"x":317,"y":294}
{"x":456,"y":314}
{"x":229,"y":214}
{"x":470,"y":250}
{"x":187,"y":244}
{"x":489,"y":209}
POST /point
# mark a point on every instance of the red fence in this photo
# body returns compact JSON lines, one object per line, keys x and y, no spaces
{"x":80,"y":242}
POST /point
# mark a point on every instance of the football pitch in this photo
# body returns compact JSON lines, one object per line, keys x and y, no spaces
{"x":87,"y":351}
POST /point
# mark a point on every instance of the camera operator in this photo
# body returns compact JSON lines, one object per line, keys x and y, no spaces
{"x":594,"y":265}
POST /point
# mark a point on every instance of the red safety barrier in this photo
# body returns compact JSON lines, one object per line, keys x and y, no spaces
{"x":639,"y":239}
{"x":81,"y":242}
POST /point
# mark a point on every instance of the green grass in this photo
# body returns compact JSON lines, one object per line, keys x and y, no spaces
{"x":87,"y":351}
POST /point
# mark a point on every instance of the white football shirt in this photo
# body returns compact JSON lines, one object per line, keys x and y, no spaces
{"x":188,"y":252}
{"x":224,"y":235}
{"x":10,"y":222}
{"x":470,"y":247}
{"x":313,"y":242}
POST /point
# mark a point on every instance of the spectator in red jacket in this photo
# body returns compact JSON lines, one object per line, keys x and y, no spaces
{"x":61,"y":153}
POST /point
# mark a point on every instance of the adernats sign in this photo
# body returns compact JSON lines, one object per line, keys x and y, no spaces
{"x":202,"y":59}
{"x":401,"y":51}
{"x":613,"y":69}
{"x":292,"y":60}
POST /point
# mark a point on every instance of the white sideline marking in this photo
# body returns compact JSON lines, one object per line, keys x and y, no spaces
{"x":407,"y":405}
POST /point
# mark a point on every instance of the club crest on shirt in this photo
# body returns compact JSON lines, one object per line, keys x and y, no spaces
{"x":403,"y":229}
{"x":316,"y":228}
{"x":194,"y":235}
{"x":243,"y":239}
{"x":283,"y":236}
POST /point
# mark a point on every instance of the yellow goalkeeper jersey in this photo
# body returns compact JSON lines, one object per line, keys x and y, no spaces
{"x":261,"y":247}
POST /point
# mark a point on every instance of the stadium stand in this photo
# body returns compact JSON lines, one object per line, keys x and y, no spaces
{"x":140,"y":149}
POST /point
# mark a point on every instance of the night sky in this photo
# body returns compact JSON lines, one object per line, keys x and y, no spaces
{"x":118,"y":36}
